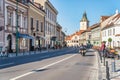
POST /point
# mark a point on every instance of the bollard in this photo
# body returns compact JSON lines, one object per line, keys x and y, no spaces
{"x":107,"y":71}
{"x":104,"y":56}
{"x":113,"y":66}
{"x":100,"y":56}
{"x":104,"y":60}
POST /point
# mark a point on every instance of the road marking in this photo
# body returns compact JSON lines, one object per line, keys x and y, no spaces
{"x":26,"y":74}
{"x":7,"y":64}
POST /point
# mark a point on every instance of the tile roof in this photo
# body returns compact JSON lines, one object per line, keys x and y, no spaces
{"x":95,"y":26}
{"x":114,"y":20}
{"x":76,"y":33}
{"x":103,"y":18}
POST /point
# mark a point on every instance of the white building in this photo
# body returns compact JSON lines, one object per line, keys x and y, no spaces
{"x":10,"y":25}
{"x":111,"y":29}
{"x":1,"y":24}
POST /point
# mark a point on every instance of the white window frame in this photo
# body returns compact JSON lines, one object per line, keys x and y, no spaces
{"x":19,"y":20}
{"x":25,"y":22}
{"x":10,"y":18}
{"x":1,"y":6}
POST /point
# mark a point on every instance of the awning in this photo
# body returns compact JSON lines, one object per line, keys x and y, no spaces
{"x":25,"y":36}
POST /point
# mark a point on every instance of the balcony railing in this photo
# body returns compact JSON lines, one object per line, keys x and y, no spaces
{"x":12,"y":29}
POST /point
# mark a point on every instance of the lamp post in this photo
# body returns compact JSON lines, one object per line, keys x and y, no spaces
{"x":16,"y":27}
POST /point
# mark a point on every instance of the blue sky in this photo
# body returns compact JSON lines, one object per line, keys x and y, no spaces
{"x":71,"y":11}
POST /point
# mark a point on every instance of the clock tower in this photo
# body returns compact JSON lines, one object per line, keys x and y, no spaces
{"x":84,"y":23}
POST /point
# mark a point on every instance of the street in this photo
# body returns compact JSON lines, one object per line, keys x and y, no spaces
{"x":64,"y":64}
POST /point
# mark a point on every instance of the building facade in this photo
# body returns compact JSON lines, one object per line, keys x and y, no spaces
{"x":110,"y":30}
{"x":2,"y":25}
{"x":50,"y":21}
{"x":84,"y":25}
{"x":36,"y":19}
{"x":63,"y":35}
{"x":95,"y":34}
{"x":16,"y":15}
{"x":59,"y":34}
{"x":82,"y":36}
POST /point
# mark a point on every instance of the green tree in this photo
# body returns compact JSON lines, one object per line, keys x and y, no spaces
{"x":110,"y":40}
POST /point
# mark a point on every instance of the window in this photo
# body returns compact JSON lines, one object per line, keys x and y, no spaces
{"x":1,"y":5}
{"x":105,"y":33}
{"x":37,"y":25}
{"x":10,"y":18}
{"x":113,"y":31}
{"x":108,"y":32}
{"x":31,"y":23}
{"x":19,"y":20}
{"x":113,"y":43}
{"x":41,"y":26}
{"x":33,"y":1}
{"x":25,"y":22}
{"x":75,"y":37}
{"x":118,"y":43}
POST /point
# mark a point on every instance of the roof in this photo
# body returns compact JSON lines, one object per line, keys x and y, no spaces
{"x":113,"y":21}
{"x":84,"y":18}
{"x":103,"y":18}
{"x":79,"y":32}
{"x":76,"y":33}
{"x":95,"y":25}
{"x":68,"y":38}
{"x":89,"y":29}
{"x":51,"y":6}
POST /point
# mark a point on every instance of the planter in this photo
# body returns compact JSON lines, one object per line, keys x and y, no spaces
{"x":112,"y":50}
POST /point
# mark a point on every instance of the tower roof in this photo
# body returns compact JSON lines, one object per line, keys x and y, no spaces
{"x":84,"y":18}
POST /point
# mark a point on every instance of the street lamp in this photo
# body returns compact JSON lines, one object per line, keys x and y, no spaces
{"x":16,"y":27}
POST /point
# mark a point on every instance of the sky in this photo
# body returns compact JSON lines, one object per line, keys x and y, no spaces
{"x":70,"y":12}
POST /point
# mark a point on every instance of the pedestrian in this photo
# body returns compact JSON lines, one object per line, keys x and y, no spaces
{"x":102,"y":48}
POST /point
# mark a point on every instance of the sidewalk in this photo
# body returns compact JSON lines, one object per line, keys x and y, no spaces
{"x":113,"y":75}
{"x":24,"y":53}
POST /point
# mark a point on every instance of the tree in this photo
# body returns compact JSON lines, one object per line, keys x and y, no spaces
{"x":110,"y":40}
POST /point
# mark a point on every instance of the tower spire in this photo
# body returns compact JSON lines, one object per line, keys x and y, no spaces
{"x":84,"y":18}
{"x":84,"y":23}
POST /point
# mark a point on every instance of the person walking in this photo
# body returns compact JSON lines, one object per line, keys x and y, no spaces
{"x":102,"y":48}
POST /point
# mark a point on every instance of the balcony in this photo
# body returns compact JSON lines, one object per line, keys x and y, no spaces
{"x":12,"y":29}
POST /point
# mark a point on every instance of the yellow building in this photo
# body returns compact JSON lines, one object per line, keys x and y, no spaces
{"x":50,"y":21}
{"x":36,"y":19}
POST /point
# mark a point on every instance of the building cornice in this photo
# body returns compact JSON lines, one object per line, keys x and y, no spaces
{"x":36,"y":9}
{"x":20,"y":4}
{"x":51,"y":6}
